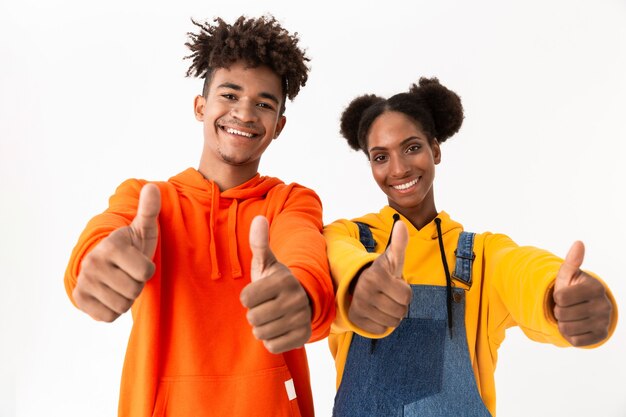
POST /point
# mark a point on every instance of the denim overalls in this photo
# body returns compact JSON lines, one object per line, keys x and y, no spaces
{"x":421,"y":369}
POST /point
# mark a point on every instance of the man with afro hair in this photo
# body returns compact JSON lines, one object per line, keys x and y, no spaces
{"x":225,"y":270}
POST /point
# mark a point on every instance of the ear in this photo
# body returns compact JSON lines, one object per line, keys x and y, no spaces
{"x":199,"y":105}
{"x":280,"y":124}
{"x":436,"y":151}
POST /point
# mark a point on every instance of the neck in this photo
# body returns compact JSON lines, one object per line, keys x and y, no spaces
{"x":228,"y":176}
{"x":419,"y":215}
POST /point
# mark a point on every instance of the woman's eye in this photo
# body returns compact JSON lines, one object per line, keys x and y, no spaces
{"x":379,"y":158}
{"x":413,"y":148}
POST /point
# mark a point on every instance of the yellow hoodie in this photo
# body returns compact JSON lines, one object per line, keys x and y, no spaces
{"x":511,"y":285}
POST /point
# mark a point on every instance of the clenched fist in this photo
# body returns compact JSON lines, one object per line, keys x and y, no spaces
{"x":381,"y":297}
{"x":278,"y":307}
{"x":113,"y":274}
{"x":582,"y":308}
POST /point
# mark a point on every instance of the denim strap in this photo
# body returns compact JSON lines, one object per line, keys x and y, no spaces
{"x":366,"y":238}
{"x":464,"y":257}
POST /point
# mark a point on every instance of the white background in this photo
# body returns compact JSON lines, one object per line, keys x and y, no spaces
{"x":92,"y":93}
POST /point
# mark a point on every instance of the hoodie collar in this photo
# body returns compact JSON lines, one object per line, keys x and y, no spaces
{"x":193,"y":181}
{"x":208,"y":193}
{"x":428,"y":232}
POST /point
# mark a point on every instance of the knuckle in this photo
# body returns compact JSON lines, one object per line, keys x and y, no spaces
{"x":252,"y":318}
{"x":107,"y":316}
{"x":136,"y":291}
{"x":84,"y":286}
{"x":304,"y":335}
{"x":370,"y":280}
{"x":357,"y":304}
{"x":122,"y":306}
{"x":79,"y":299}
{"x":148,"y":271}
{"x":576,"y":341}
{"x":108,"y":245}
{"x":111,"y":317}
{"x":378,"y":329}
{"x":88,"y":262}
{"x":368,"y":327}
{"x":557,"y":296}
{"x":244,"y":297}
{"x":408,"y":295}
{"x":395,"y":322}
{"x":301,"y":298}
{"x":271,"y":347}
{"x":257,"y":333}
{"x":354,"y":317}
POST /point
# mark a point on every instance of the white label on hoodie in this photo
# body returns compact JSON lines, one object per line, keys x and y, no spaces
{"x":291,"y":390}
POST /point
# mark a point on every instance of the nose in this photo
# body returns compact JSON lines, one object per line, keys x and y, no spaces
{"x":244,"y":111}
{"x":398,"y":168}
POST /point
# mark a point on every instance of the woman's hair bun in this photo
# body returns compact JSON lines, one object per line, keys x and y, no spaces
{"x":445,"y":106}
{"x":351,"y":117}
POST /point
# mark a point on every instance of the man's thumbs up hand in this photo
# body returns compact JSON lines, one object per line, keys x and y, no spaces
{"x":262,"y":257}
{"x":581,"y":306}
{"x":113,"y":274}
{"x":278,"y":307}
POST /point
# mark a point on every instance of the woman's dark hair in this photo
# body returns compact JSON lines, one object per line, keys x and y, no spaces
{"x":260,"y":41}
{"x":438,"y":111}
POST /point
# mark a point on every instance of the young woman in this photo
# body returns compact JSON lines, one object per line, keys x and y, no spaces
{"x":423,"y":310}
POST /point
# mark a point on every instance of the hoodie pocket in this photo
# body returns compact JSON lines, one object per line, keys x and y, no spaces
{"x":266,"y":393}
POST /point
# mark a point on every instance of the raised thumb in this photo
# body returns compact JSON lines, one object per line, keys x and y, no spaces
{"x":570,"y":269}
{"x":397,"y":248}
{"x":262,"y":255}
{"x":145,"y":225}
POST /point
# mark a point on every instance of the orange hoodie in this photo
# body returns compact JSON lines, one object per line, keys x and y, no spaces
{"x":191,"y":350}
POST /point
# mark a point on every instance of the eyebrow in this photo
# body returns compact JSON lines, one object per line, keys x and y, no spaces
{"x":382,"y":148}
{"x":236,"y":87}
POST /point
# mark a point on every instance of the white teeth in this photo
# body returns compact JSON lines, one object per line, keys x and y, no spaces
{"x":405,"y":186}
{"x":238,"y":132}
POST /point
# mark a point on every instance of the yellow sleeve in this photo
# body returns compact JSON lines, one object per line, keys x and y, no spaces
{"x":520,"y":281}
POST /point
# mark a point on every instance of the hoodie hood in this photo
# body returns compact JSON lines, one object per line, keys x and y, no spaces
{"x":383,"y":220}
{"x":193,"y":181}
{"x":433,"y":231}
{"x":208,"y":193}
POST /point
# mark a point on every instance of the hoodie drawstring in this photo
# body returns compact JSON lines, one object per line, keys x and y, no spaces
{"x":235,"y":266}
{"x":448,"y":278}
{"x":215,"y":201}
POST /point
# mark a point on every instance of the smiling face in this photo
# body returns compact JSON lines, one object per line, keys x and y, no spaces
{"x":241,"y":116}
{"x":403,"y":162}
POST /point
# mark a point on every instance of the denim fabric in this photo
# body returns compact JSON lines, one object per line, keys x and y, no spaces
{"x":464,"y":257}
{"x":365,"y":236}
{"x":418,"y":370}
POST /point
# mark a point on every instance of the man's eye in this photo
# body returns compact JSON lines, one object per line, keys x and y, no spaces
{"x":229,"y":96}
{"x":265,"y":106}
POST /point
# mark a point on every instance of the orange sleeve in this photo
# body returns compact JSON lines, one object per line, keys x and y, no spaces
{"x":297,"y":241}
{"x":121,"y":212}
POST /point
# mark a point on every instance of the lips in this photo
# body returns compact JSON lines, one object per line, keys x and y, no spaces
{"x":405,"y":186}
{"x":239,"y":131}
